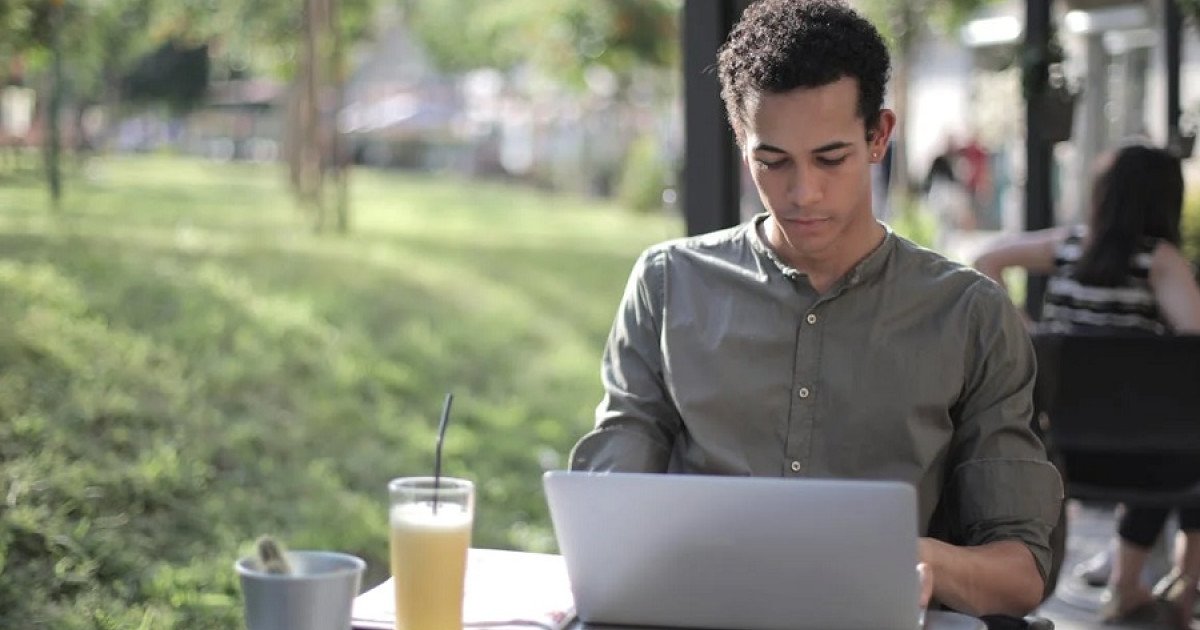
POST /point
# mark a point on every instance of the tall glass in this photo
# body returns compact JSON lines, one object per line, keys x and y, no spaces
{"x":429,"y":550}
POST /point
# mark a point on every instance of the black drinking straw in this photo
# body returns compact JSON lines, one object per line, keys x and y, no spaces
{"x":437,"y":455}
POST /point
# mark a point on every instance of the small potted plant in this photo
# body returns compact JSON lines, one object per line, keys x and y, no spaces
{"x":298,"y":590}
{"x":1182,"y":139}
{"x":1049,"y":91}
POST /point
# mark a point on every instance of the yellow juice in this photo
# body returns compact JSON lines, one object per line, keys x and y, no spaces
{"x":429,"y":561}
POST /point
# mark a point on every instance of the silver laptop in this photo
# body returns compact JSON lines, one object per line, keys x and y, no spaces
{"x":737,"y":552}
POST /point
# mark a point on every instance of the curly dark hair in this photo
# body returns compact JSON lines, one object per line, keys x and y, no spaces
{"x":780,"y":45}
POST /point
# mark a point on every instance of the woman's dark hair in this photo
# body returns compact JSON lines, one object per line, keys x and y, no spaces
{"x":1140,"y":196}
{"x":780,"y":45}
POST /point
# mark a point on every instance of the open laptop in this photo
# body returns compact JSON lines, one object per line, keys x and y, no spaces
{"x":737,"y":552}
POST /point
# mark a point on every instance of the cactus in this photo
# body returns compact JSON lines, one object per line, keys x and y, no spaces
{"x":272,"y":557}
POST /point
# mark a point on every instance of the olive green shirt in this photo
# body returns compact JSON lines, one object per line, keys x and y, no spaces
{"x":724,"y":360}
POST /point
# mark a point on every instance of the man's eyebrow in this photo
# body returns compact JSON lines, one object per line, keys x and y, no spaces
{"x":768,"y":148}
{"x":825,"y":148}
{"x":832,"y":146}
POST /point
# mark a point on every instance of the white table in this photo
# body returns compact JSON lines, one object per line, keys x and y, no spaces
{"x":509,"y":589}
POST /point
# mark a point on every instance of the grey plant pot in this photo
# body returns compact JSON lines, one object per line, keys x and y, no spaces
{"x":1184,"y":145}
{"x":318,"y":595}
{"x":1056,"y":108}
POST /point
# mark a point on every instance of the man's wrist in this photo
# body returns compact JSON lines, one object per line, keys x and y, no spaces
{"x":931,"y":551}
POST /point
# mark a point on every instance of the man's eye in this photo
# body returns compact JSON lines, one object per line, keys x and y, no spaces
{"x":823,"y":161}
{"x":770,"y":165}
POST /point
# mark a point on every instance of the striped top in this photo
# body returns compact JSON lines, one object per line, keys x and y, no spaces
{"x":1074,"y":307}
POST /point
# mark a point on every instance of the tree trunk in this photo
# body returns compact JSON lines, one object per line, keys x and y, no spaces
{"x":310,"y":188}
{"x":53,"y":137}
{"x":292,"y":131}
{"x":110,"y":104}
{"x":899,"y":184}
{"x":311,"y":144}
{"x":338,"y":157}
{"x":907,"y":22}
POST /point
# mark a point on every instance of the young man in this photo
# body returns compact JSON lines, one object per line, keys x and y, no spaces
{"x":814,"y":342}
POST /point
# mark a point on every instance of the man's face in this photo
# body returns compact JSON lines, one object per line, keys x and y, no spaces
{"x":810,"y":159}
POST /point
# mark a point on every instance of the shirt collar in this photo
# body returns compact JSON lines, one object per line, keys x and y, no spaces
{"x":869,"y":267}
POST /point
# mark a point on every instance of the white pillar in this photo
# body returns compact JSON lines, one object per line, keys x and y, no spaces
{"x":1091,"y":129}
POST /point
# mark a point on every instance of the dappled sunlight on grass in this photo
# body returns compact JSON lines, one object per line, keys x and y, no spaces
{"x":187,"y":365}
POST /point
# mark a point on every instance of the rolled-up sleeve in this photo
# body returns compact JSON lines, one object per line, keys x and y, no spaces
{"x":1002,"y":483}
{"x":636,"y":422}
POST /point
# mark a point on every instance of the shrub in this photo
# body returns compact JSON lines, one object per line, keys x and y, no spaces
{"x":1191,"y":227}
{"x":644,"y":176}
{"x":916,"y":223}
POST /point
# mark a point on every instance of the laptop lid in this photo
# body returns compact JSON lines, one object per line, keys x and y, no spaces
{"x":737,"y":552}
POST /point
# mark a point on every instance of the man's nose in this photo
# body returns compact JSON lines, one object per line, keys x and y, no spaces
{"x":804,"y":189}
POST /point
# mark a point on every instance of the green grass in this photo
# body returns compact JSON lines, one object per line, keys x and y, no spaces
{"x":184,"y":366}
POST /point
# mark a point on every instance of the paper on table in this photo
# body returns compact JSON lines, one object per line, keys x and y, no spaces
{"x":504,"y":589}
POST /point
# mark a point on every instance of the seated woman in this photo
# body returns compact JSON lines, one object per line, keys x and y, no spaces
{"x":1124,"y":273}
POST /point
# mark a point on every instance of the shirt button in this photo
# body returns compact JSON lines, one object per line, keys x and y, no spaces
{"x":802,"y":392}
{"x":795,"y":466}
{"x":812,"y":319}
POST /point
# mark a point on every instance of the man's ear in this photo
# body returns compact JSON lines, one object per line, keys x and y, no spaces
{"x":877,"y":138}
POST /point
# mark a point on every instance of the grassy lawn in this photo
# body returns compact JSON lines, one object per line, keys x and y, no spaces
{"x":184,"y":366}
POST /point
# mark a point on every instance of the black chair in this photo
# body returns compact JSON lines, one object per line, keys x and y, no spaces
{"x":1121,"y":398}
{"x":1114,"y":406}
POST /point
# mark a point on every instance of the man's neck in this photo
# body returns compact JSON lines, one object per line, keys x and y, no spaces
{"x":825,"y":268}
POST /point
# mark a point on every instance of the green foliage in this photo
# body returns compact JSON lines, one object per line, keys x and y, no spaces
{"x":22,"y":23}
{"x":254,"y":36}
{"x":104,"y":39}
{"x":187,"y":367}
{"x":902,"y":21}
{"x":559,"y":37}
{"x":97,"y":38}
{"x":644,"y":175}
{"x":1191,"y":10}
{"x":916,"y":223}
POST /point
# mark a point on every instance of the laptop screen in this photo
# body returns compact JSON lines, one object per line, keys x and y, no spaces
{"x":737,"y":552}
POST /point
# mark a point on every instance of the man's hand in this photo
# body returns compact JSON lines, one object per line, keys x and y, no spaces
{"x":997,"y":578}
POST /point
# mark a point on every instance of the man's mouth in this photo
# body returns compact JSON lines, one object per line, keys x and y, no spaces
{"x":807,"y":221}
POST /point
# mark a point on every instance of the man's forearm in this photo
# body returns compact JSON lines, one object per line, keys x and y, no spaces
{"x":999,"y":578}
